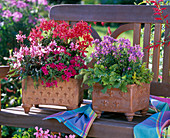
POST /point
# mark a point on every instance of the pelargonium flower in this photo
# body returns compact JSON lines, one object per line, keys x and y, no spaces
{"x":55,"y":49}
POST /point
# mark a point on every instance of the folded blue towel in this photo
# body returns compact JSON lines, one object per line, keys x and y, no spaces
{"x":157,"y":125}
{"x":78,"y":120}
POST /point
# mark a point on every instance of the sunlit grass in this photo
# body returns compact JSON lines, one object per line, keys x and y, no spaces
{"x":102,"y":31}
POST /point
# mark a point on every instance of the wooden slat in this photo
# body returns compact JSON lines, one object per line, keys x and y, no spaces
{"x":160,"y":89}
{"x":95,"y":35}
{"x":166,"y":58}
{"x":106,"y":13}
{"x":156,"y":52}
{"x":136,"y":33}
{"x":121,"y":29}
{"x":146,"y":42}
{"x":3,"y":71}
{"x":109,"y":124}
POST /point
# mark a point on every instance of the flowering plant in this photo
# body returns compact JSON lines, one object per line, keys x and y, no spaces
{"x":55,"y":50}
{"x":18,"y":15}
{"x":118,"y":64}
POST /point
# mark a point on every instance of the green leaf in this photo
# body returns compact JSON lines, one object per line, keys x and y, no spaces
{"x":104,"y":90}
{"x":116,"y":84}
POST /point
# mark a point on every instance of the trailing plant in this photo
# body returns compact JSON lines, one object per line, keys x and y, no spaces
{"x":118,"y":64}
{"x":55,"y":50}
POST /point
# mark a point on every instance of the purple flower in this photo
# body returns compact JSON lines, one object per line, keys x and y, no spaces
{"x":21,"y":4}
{"x":7,"y":14}
{"x":129,"y":68}
{"x":17,"y":16}
{"x":0,"y":6}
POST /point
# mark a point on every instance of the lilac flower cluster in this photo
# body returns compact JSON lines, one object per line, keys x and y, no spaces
{"x":118,"y":48}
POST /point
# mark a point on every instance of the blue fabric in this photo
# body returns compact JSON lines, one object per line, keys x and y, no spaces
{"x":155,"y":125}
{"x":78,"y":120}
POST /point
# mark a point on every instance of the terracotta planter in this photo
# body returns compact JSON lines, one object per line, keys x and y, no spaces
{"x":67,"y":94}
{"x":114,"y":100}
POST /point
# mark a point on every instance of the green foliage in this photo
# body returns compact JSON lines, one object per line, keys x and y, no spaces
{"x":110,"y":78}
{"x":11,"y":93}
{"x":118,"y":64}
{"x":13,"y":132}
{"x":10,"y":28}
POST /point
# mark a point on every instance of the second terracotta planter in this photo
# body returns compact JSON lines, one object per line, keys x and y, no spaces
{"x":114,"y":100}
{"x":67,"y":94}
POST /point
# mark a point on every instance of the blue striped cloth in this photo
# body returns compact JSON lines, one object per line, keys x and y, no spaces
{"x":78,"y":120}
{"x":157,"y":125}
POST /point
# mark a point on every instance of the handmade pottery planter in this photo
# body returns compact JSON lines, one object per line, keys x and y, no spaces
{"x":114,"y":100}
{"x":67,"y":94}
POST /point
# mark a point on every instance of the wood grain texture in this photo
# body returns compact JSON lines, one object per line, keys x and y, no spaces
{"x":166,"y":58}
{"x":146,"y":42}
{"x":3,"y":71}
{"x":106,"y":126}
{"x":106,"y":13}
{"x":156,"y":52}
{"x":160,"y":89}
{"x":121,"y":29}
{"x":136,"y":33}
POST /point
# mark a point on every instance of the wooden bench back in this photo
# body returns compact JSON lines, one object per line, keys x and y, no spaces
{"x":133,"y":16}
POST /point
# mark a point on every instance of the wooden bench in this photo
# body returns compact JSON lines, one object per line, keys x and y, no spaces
{"x":110,"y":124}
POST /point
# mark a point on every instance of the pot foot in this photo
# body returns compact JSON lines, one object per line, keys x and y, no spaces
{"x":72,"y":107}
{"x":144,"y":111}
{"x":36,"y":105}
{"x":129,"y":116}
{"x":27,"y":108}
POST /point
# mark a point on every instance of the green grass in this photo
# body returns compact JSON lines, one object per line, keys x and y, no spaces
{"x":102,"y":31}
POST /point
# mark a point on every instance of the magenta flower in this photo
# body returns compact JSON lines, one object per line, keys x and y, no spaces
{"x":45,"y":71}
{"x":17,"y":16}
{"x":7,"y":14}
{"x":52,"y":65}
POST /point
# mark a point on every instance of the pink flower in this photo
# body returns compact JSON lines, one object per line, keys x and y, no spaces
{"x":52,"y":65}
{"x":44,"y":69}
{"x":160,"y":77}
{"x":63,"y":77}
{"x":73,"y":47}
{"x":7,"y":14}
{"x":17,"y":16}
{"x":53,"y":136}
{"x":55,"y":82}
{"x":0,"y":6}
{"x":45,"y":134}
{"x":53,"y":44}
{"x":20,"y":37}
{"x":43,"y":2}
{"x":68,"y":74}
{"x":21,"y":4}
{"x":60,"y":66}
{"x":38,"y":133}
